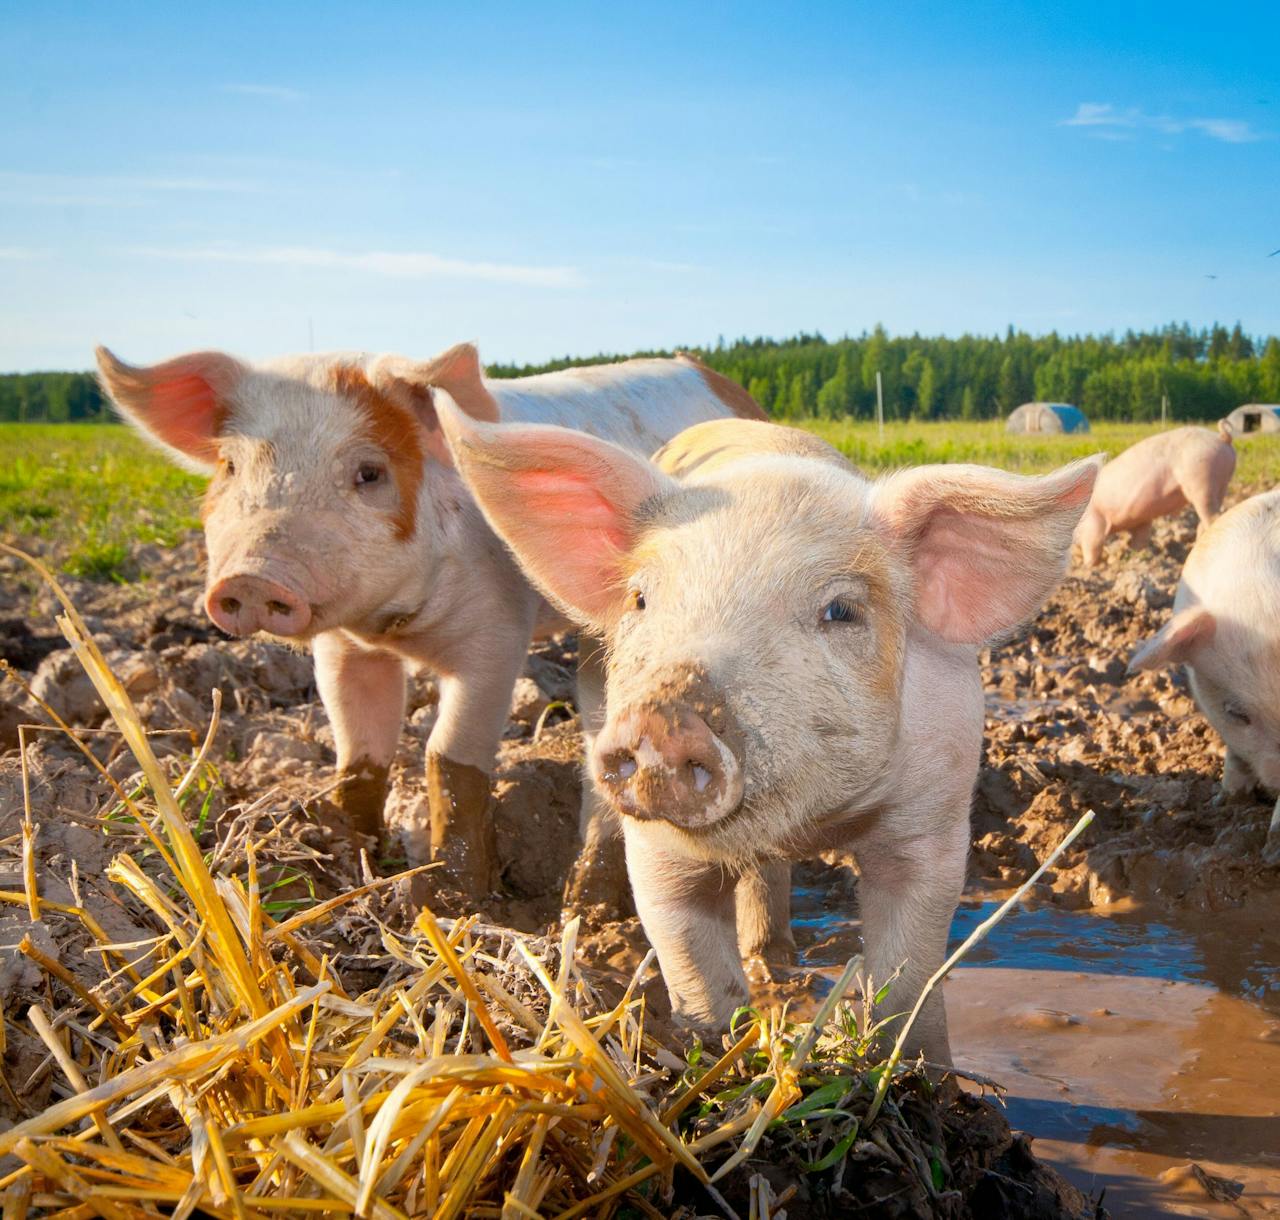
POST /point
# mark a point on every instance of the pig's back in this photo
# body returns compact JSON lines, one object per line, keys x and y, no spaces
{"x":708,"y":446}
{"x":1141,"y":483}
{"x":637,"y":403}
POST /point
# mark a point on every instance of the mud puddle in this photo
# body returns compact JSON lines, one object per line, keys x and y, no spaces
{"x":1143,"y":1054}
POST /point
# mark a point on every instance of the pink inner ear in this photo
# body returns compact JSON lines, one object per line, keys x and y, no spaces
{"x":987,"y":547}
{"x":183,"y":412}
{"x":578,"y":539}
{"x":564,"y":496}
{"x":967,"y":578}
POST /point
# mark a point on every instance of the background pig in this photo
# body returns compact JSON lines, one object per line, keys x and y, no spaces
{"x":334,"y":516}
{"x":1159,"y":475}
{"x":791,"y":665}
{"x":1226,"y":631}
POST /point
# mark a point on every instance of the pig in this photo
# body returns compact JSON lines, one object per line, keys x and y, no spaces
{"x":791,"y":667}
{"x":1159,"y":475}
{"x":1225,"y":631}
{"x":334,"y":518}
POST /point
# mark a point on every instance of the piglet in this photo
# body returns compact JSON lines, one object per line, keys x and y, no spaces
{"x":791,"y":666}
{"x":1159,"y":475}
{"x":1225,"y":630}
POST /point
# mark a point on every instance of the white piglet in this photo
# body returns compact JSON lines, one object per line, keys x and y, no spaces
{"x":334,"y":517}
{"x":1226,"y":630}
{"x":791,"y":666}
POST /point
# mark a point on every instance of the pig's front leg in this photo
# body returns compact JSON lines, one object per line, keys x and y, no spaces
{"x":1238,"y":779}
{"x":762,"y":899}
{"x":1237,"y":776}
{"x":1090,"y":535}
{"x":908,"y":890}
{"x":687,"y":909}
{"x":1140,"y":538}
{"x":474,"y":705}
{"x":599,"y":876}
{"x":363,"y":691}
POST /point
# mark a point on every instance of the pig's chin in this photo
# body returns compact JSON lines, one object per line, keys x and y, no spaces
{"x":707,"y":834}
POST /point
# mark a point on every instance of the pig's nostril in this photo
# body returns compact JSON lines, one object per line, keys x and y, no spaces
{"x":230,"y":605}
{"x":701,"y":777}
{"x":277,"y":607}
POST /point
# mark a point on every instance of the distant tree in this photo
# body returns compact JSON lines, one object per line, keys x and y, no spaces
{"x":926,"y":389}
{"x":761,"y":389}
{"x":836,"y":397}
{"x":1007,"y":386}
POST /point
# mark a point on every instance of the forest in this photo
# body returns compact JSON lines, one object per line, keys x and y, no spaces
{"x":1204,"y":374}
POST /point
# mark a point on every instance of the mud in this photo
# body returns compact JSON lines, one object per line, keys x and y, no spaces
{"x":1066,"y":731}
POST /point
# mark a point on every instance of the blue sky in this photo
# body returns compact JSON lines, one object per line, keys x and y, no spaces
{"x":551,"y":179}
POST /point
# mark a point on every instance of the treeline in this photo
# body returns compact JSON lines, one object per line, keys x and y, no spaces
{"x":1203,"y":373}
{"x":53,"y":398}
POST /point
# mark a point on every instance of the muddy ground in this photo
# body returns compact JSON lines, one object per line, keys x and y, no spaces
{"x":1067,"y":731}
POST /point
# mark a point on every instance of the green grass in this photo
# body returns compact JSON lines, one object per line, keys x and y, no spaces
{"x":987,"y":443}
{"x":93,"y":491}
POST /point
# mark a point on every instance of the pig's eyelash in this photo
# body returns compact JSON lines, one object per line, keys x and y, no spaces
{"x":842,"y":610}
{"x":1237,"y":713}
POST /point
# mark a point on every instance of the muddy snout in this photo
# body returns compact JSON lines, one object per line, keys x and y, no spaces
{"x":244,"y":603}
{"x":666,"y":763}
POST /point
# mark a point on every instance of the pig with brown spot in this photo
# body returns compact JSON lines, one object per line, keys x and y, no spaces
{"x":334,"y":517}
{"x":1159,"y":475}
{"x":1225,"y":629}
{"x":791,"y":667}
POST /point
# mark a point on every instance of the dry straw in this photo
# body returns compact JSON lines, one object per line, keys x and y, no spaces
{"x":227,"y":1071}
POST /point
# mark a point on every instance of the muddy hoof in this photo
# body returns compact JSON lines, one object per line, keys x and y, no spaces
{"x":597,"y":887}
{"x":780,"y":951}
{"x":462,"y":829}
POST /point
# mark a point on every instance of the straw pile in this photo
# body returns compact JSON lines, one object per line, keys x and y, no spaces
{"x":222,"y":1068}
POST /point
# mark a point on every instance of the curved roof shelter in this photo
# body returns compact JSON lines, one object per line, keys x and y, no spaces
{"x":1255,"y":417}
{"x":1046,"y":417}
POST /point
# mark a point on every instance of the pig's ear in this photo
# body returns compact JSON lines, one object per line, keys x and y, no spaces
{"x":568,"y":505}
{"x":987,"y":546}
{"x":181,"y":404}
{"x":414,"y":384}
{"x":1177,"y":641}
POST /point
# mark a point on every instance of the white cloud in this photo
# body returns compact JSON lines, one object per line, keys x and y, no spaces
{"x":107,"y":190}
{"x":19,"y":253}
{"x":1107,"y":122}
{"x":1233,"y":131}
{"x":279,"y":93}
{"x":400,"y":265}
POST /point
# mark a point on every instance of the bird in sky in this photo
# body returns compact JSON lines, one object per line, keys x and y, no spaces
{"x":1210,"y":277}
{"x":1273,"y":253}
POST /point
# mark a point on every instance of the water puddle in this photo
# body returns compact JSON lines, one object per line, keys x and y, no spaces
{"x":1130,"y":1048}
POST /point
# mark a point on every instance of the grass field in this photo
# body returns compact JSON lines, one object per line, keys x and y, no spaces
{"x":94,"y":490}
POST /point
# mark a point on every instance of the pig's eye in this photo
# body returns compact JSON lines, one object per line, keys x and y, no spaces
{"x":1237,"y":715}
{"x":228,"y":467}
{"x":369,"y":474}
{"x":842,"y":610}
{"x":635,"y":600}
